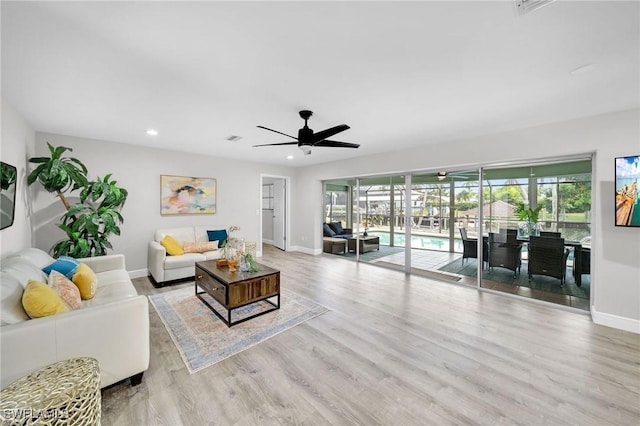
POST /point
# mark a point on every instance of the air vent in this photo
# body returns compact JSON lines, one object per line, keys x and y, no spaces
{"x":526,"y":6}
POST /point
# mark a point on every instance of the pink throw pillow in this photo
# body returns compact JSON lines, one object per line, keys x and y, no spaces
{"x":200,"y":247}
{"x":66,"y":289}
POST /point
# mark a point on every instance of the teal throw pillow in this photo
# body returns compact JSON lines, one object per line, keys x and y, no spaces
{"x":219,"y":235}
{"x":66,"y":265}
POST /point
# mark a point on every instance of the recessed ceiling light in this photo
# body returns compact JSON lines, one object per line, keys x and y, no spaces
{"x":152,"y":132}
{"x":289,"y":157}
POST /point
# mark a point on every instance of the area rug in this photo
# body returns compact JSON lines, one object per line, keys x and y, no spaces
{"x":374,"y":255}
{"x":505,"y":276}
{"x":203,"y":339}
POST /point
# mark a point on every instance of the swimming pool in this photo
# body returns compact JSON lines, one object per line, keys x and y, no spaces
{"x":427,"y":242}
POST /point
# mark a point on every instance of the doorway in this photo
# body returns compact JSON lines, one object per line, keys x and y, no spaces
{"x":274,"y":211}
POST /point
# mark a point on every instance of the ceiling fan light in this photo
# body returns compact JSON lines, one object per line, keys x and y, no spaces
{"x":306,"y":149}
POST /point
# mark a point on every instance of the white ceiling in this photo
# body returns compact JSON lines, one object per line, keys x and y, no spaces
{"x":400,"y":74}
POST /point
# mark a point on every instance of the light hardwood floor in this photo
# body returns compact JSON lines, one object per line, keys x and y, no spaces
{"x":395,"y":349}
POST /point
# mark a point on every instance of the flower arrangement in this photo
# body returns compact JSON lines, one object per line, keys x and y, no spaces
{"x":226,"y":248}
{"x":233,"y":229}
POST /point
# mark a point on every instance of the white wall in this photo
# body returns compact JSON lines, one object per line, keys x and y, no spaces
{"x":138,"y":170}
{"x":616,"y":252}
{"x":16,"y":147}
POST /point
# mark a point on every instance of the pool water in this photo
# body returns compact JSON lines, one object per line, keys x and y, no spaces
{"x":427,"y":242}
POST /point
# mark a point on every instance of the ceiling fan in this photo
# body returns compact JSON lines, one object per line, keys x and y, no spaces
{"x":307,"y":139}
{"x":458,"y":175}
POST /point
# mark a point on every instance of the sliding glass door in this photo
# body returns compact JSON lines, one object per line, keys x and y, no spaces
{"x":381,"y":236}
{"x":536,"y":230}
{"x":455,"y":226}
{"x":443,"y":204}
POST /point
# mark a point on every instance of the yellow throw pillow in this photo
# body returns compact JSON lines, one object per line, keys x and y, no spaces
{"x":66,"y":289}
{"x":173,"y":247}
{"x":86,"y":281}
{"x":200,"y":247}
{"x":40,"y":300}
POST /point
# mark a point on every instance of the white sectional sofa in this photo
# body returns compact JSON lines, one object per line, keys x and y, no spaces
{"x":112,"y":327}
{"x":164,"y":268}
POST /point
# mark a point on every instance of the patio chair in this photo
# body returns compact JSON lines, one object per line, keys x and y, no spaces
{"x":547,"y":256}
{"x":470,"y":247}
{"x":505,"y":251}
{"x":550,"y":234}
{"x":585,"y":264}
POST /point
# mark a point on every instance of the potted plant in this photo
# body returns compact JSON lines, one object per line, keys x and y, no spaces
{"x":89,"y":223}
{"x":530,"y":217}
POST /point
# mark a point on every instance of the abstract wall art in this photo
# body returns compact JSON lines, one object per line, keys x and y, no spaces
{"x":187,"y":195}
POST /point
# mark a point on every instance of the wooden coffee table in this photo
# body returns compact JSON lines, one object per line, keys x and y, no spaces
{"x":236,"y":289}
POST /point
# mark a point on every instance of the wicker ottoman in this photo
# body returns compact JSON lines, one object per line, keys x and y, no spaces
{"x":334,"y":245}
{"x":64,"y":393}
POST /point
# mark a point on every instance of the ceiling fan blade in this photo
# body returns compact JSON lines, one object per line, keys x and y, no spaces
{"x":283,"y":143}
{"x":275,"y":131}
{"x":336,"y":144}
{"x":327,"y":133}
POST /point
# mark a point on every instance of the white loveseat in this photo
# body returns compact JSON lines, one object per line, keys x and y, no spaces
{"x":112,"y":327}
{"x":164,"y":268}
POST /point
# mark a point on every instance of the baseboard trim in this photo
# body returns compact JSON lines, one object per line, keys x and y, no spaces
{"x":306,"y":250}
{"x":615,"y":321}
{"x":139,"y":273}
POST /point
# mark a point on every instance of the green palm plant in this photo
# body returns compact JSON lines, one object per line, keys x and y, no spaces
{"x":59,"y":174}
{"x":89,"y":223}
{"x":529,"y":215}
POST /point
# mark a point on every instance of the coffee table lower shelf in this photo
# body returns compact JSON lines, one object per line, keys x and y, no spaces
{"x":227,"y":320}
{"x":233,"y":291}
